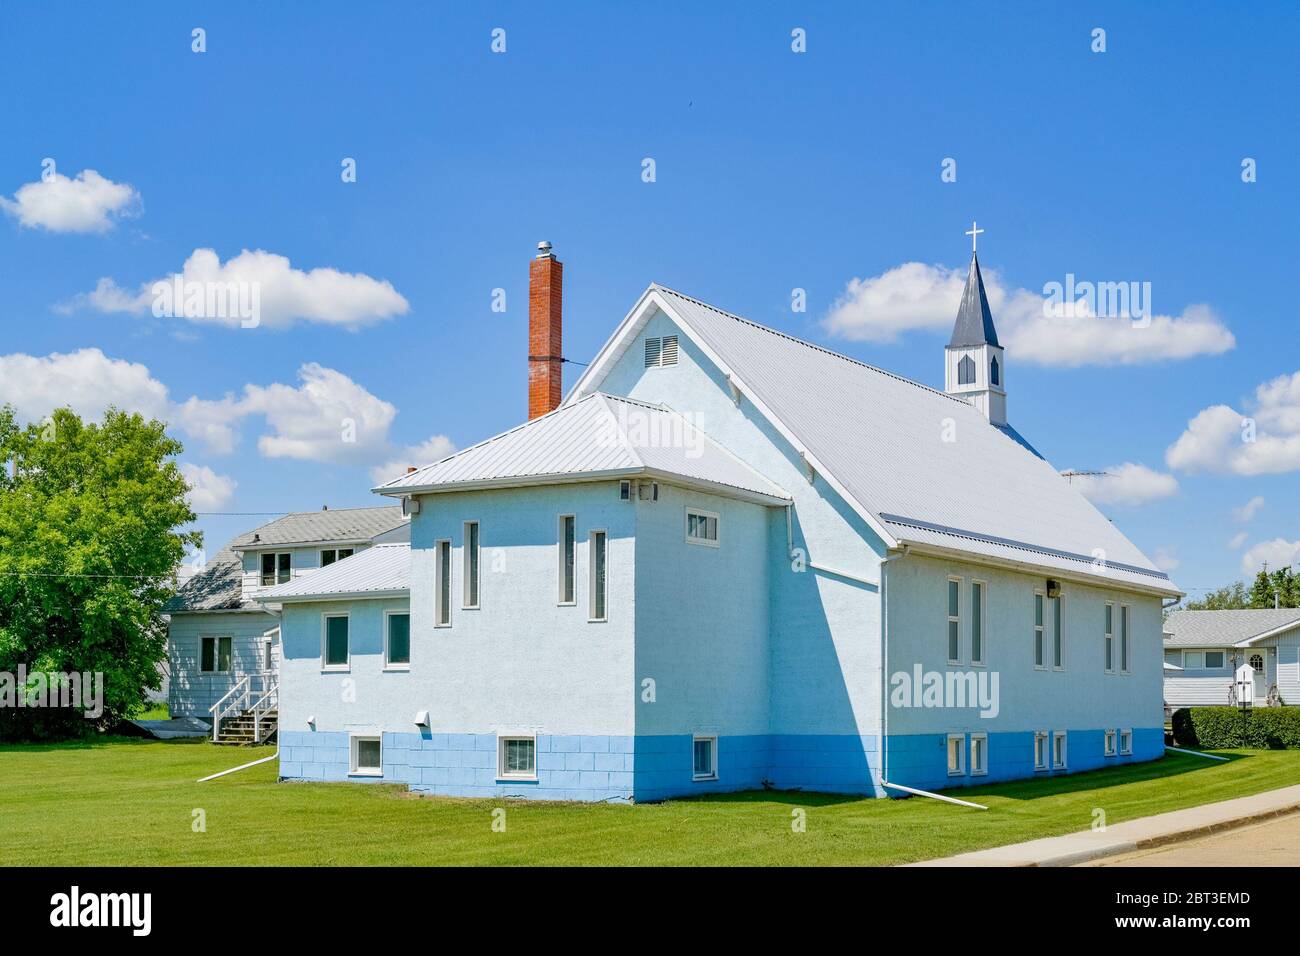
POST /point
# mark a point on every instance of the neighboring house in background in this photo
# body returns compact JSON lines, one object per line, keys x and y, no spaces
{"x":1228,"y":655}
{"x":730,"y":559}
{"x":219,"y":638}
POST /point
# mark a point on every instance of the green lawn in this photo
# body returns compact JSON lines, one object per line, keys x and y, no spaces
{"x":123,"y":802}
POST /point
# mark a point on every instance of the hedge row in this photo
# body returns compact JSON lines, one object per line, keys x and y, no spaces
{"x":1213,"y":728}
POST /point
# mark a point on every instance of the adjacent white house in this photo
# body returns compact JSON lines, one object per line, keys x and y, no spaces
{"x":223,"y":646}
{"x":728,"y":559}
{"x":1224,"y":657}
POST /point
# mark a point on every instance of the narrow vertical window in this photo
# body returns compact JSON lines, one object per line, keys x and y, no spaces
{"x":397,"y":641}
{"x":956,"y":754}
{"x":598,"y":583}
{"x":268,"y":570}
{"x":1040,"y":750}
{"x":977,"y":622}
{"x":268,"y":655}
{"x":1040,"y":658}
{"x":208,"y":654}
{"x":1110,"y":638}
{"x":979,"y":754}
{"x":1110,"y":743}
{"x":1058,"y":750}
{"x":954,"y":620}
{"x":1058,"y":635}
{"x":566,"y":553}
{"x":705,"y":758}
{"x":442,"y":582}
{"x":283,"y":565}
{"x":1123,"y":638}
{"x":224,"y":663}
{"x":469,"y":578}
{"x":335,"y":654}
{"x":1126,"y":742}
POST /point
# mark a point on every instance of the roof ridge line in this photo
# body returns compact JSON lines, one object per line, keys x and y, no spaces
{"x":618,"y":427}
{"x":811,"y":345}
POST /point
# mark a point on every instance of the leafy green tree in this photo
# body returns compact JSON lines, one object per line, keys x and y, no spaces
{"x":1230,"y":598}
{"x":1261,"y":592}
{"x":90,"y":539}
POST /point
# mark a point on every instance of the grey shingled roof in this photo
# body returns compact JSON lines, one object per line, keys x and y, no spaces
{"x":1225,"y":628}
{"x":974,"y":325}
{"x":309,"y":527}
{"x":216,"y":588}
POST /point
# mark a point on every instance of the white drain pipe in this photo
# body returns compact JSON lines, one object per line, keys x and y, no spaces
{"x":244,"y":766}
{"x":1196,"y":753}
{"x":933,"y":796}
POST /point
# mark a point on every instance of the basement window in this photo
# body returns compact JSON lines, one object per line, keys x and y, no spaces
{"x":1126,"y":742}
{"x":367,"y":757}
{"x":1110,"y":743}
{"x":1058,"y":750}
{"x":705,"y":759}
{"x":979,"y":754}
{"x":1040,"y":750}
{"x":517,"y":758}
{"x":956,"y":754}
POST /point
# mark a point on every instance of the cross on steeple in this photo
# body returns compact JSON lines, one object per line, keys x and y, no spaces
{"x":974,"y":233}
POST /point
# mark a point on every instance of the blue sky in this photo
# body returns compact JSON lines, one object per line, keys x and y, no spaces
{"x":774,"y":170}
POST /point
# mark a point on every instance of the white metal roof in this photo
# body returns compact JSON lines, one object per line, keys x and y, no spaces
{"x":880,"y":439}
{"x":601,"y":436}
{"x":380,"y":571}
{"x":1227,"y":628}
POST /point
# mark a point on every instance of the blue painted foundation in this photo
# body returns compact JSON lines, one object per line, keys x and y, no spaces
{"x":648,"y":768}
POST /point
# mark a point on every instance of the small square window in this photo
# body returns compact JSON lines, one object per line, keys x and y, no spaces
{"x":517,"y":758}
{"x":1214,"y":660}
{"x":367,"y":757}
{"x":1126,"y":742}
{"x":215,"y":655}
{"x":705,"y":758}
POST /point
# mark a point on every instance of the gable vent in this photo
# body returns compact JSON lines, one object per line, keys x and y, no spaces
{"x":668,"y":353}
{"x":661,"y":351}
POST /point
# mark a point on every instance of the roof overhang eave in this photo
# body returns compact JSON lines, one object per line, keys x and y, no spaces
{"x":387,"y":593}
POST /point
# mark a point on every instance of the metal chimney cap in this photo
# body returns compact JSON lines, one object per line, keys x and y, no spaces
{"x":544,"y":250}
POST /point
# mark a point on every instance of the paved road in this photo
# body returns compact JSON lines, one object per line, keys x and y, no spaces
{"x":1272,"y":843}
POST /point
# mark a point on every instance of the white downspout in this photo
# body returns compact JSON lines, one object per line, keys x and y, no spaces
{"x":222,"y":773}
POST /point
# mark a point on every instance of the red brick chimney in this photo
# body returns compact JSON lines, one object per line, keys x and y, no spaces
{"x":545,"y":349}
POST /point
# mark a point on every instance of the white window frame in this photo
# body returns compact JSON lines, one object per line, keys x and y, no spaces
{"x":1125,"y":650}
{"x":1223,"y":659}
{"x":354,"y":770}
{"x":1111,"y":748}
{"x":320,"y":556}
{"x":388,"y":664}
{"x":216,"y":640}
{"x":1126,"y":742}
{"x":442,"y":596}
{"x":1061,"y":632}
{"x":1064,"y":763}
{"x":982,"y":620}
{"x":592,"y":535}
{"x":560,"y":563}
{"x":324,"y":642}
{"x":717,"y":525}
{"x":1187,"y":660}
{"x":268,"y":654}
{"x":1108,"y":640}
{"x":1040,"y":630}
{"x":275,"y":556}
{"x":960,"y":741}
{"x":1042,"y":755}
{"x":983,"y":769}
{"x":502,"y":773}
{"x":471,"y":575}
{"x":713,"y":756}
{"x":951,"y":619}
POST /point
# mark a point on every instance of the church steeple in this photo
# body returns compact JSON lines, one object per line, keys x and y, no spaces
{"x":974,"y":361}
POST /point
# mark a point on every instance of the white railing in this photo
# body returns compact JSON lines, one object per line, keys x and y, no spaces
{"x":268,"y":701}
{"x":235,"y":700}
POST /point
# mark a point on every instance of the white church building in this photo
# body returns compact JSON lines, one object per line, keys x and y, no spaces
{"x":729,"y":559}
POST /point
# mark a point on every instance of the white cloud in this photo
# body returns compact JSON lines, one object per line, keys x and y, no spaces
{"x":1238,"y":540}
{"x":1278,"y":553}
{"x":88,"y":203}
{"x":327,"y":417}
{"x":1165,"y":560}
{"x":1248,"y":511}
{"x":426,"y":453}
{"x":281,"y":294}
{"x":918,"y":296}
{"x":1126,"y":484}
{"x":1264,"y":440}
{"x":209,"y":491}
